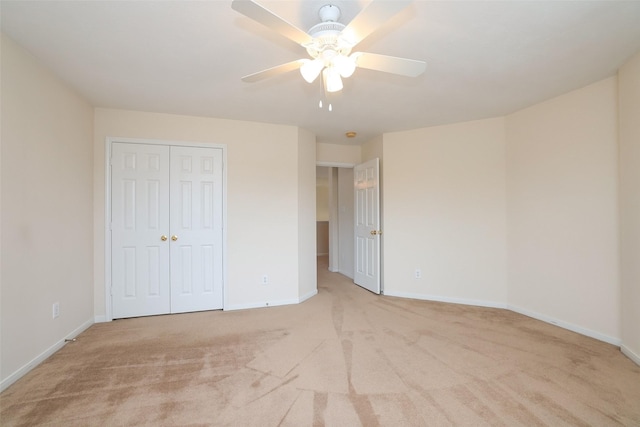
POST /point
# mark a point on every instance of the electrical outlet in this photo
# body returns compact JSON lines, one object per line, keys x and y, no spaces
{"x":265,"y":279}
{"x":418,"y":273}
{"x":56,"y":309}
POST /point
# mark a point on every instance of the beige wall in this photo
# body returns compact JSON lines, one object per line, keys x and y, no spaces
{"x":46,"y":212}
{"x":322,"y":194}
{"x":444,"y":213}
{"x":307,"y":270}
{"x":322,"y":238}
{"x":562,"y":211}
{"x":322,"y":210}
{"x":629,"y":139}
{"x":372,"y":149}
{"x":263,"y":199}
{"x":322,"y":201}
{"x":346,"y":227}
{"x":519,"y":211}
{"x":334,"y":153}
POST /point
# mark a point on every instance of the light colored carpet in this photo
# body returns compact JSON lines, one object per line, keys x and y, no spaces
{"x":346,"y":357}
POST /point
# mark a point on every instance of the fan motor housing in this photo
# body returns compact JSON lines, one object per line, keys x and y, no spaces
{"x":329,"y":13}
{"x":326,"y":33}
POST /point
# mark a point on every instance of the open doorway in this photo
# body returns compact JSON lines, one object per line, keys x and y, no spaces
{"x":335,"y":217}
{"x":322,"y":210}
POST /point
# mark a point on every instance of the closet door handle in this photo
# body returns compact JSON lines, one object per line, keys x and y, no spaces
{"x":174,"y":237}
{"x":163,"y":238}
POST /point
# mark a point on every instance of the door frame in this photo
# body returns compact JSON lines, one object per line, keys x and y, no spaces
{"x":107,"y":209}
{"x":333,"y":215}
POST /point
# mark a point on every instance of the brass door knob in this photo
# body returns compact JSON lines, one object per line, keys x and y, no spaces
{"x":163,"y":238}
{"x":174,"y":237}
{"x":374,"y":232}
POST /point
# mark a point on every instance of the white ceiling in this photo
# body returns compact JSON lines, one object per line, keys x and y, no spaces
{"x":484,"y":58}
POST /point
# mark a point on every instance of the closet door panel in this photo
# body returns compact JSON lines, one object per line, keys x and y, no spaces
{"x":139,"y":220}
{"x":196,"y":229}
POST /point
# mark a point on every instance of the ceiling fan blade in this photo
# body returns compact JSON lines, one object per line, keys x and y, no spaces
{"x":269,"y":19}
{"x":390,"y":64}
{"x":273,"y":71}
{"x":371,"y":18}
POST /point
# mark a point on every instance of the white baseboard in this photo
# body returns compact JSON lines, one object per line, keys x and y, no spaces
{"x":307,"y":296}
{"x":271,"y":303}
{"x":102,"y":318}
{"x":479,"y":303}
{"x":566,"y":325}
{"x":630,"y":354}
{"x":347,"y":274}
{"x":42,"y":356}
{"x":261,"y":304}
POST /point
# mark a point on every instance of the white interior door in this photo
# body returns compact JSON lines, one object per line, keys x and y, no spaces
{"x":166,"y":229}
{"x":139,"y":220}
{"x":367,"y":225}
{"x":196,"y":229}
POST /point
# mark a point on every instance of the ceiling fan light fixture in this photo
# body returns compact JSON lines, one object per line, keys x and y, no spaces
{"x":310,"y":70}
{"x":345,"y":65}
{"x":332,"y":80}
{"x":329,"y":43}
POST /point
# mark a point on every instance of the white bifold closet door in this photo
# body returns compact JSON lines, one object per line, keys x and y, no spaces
{"x":166,"y":229}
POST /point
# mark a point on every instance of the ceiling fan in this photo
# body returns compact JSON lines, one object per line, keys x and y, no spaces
{"x":330,"y":42}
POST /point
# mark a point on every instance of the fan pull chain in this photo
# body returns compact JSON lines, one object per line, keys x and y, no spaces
{"x":330,"y":108}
